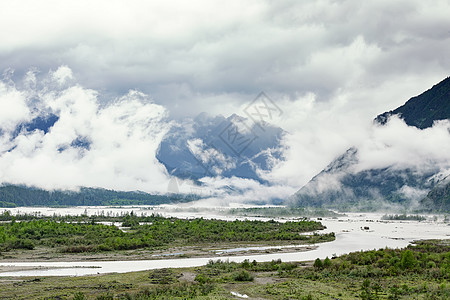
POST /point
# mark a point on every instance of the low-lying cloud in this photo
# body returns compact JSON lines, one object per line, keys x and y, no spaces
{"x":89,"y":145}
{"x":331,"y":66}
{"x":115,"y":145}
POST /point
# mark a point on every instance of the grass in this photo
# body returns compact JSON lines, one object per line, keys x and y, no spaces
{"x":417,"y":272}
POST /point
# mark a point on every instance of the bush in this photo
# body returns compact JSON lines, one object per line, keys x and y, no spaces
{"x":23,"y":244}
{"x":242,"y":276}
{"x":318,"y":264}
{"x":79,"y":296}
{"x":327,"y":262}
{"x":408,"y":260}
{"x":202,"y":279}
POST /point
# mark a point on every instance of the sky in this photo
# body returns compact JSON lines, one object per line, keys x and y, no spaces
{"x":123,"y":72}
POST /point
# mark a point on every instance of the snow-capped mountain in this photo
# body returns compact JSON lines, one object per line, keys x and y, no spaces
{"x":219,"y":146}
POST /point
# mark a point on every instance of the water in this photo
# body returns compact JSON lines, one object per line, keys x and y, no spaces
{"x":350,"y":236}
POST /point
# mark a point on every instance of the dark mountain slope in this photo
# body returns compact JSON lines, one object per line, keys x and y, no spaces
{"x":340,"y":185}
{"x":212,"y":146}
{"x":438,"y":199}
{"x":421,"y":111}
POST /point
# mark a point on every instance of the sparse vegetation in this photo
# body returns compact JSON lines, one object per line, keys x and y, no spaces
{"x":273,"y":212}
{"x":404,"y":217}
{"x":421,"y":271}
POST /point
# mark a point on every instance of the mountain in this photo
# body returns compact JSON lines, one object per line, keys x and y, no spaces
{"x":343,"y":185}
{"x":423,"y":110}
{"x":339,"y":186}
{"x":438,"y":199}
{"x":215,"y":145}
{"x":14,"y":195}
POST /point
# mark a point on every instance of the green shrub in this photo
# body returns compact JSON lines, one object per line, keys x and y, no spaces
{"x":202,"y":278}
{"x":79,"y":296}
{"x":242,"y":276}
{"x":327,"y":262}
{"x":408,"y":261}
{"x":318,"y":264}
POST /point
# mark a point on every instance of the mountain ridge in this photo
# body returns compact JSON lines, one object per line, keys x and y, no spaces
{"x":339,"y":186}
{"x":218,"y":146}
{"x":422,"y":110}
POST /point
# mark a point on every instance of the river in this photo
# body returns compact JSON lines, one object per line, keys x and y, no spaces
{"x":354,"y":232}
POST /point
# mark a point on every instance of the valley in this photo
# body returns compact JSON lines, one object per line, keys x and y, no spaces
{"x":258,"y":270}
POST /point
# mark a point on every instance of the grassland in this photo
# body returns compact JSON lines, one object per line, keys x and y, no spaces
{"x":421,"y":271}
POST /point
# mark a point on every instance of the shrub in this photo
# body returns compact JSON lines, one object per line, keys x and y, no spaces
{"x":408,"y":260}
{"x":79,"y":296}
{"x":23,"y":244}
{"x":318,"y":264}
{"x":327,"y":262}
{"x":202,"y":279}
{"x":242,"y":276}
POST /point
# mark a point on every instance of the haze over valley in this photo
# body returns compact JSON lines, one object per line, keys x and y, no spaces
{"x":224,"y":150}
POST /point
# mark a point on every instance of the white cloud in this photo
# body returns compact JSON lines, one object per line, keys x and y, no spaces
{"x":63,"y":74}
{"x":123,"y":138}
{"x":402,"y":146}
{"x":13,"y":107}
{"x":331,"y":66}
{"x":210,"y":156}
{"x":217,"y":56}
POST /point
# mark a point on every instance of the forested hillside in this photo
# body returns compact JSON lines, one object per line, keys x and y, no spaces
{"x":12,"y":196}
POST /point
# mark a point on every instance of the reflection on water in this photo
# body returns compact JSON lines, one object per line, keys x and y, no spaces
{"x":354,"y":232}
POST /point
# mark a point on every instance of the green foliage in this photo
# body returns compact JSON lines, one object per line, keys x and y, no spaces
{"x":202,"y":279}
{"x":369,"y":291}
{"x":13,"y":195}
{"x":92,"y":237}
{"x":404,"y":217}
{"x":179,"y":290}
{"x":79,"y":296}
{"x":407,"y":260}
{"x":162,"y":276}
{"x":273,"y":212}
{"x":242,"y":275}
{"x":358,"y":275}
{"x":318,"y":264}
{"x":327,"y":262}
{"x":130,"y":220}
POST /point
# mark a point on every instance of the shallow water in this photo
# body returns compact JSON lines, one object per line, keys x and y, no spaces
{"x":350,"y":236}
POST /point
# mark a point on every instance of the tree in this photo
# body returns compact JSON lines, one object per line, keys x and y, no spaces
{"x":327,"y":262}
{"x":408,"y":260}
{"x":318,"y":264}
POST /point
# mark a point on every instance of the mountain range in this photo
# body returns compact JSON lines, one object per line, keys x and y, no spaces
{"x":240,"y":147}
{"x":343,"y":185}
{"x":215,"y":145}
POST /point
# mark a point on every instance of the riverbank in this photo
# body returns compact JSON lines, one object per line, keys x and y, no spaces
{"x":210,"y":251}
{"x":374,"y":274}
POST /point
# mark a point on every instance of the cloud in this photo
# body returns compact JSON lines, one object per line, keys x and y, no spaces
{"x":13,"y":107}
{"x":210,"y":156}
{"x":212,"y":56}
{"x":331,"y":66}
{"x":114,"y":145}
{"x":402,"y":146}
{"x":89,"y":145}
{"x":62,"y":74}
